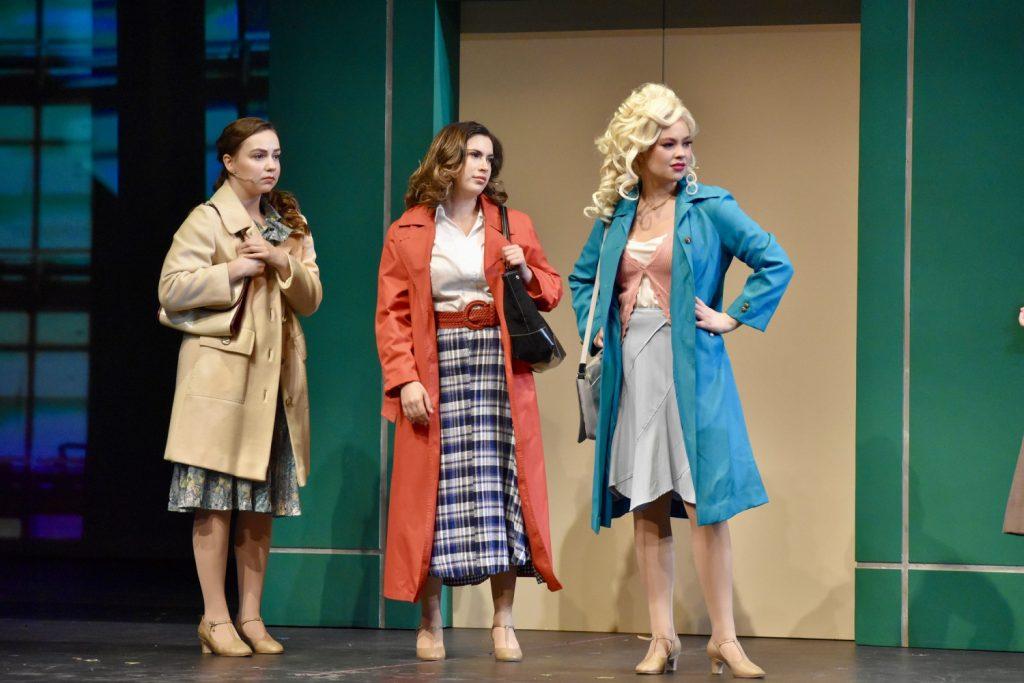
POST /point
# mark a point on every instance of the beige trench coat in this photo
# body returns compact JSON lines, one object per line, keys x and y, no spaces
{"x":225,"y":398}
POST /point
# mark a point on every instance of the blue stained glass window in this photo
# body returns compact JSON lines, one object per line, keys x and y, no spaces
{"x":104,"y":148}
{"x":18,"y":32}
{"x":217,"y":116}
{"x":16,"y":136}
{"x":65,"y":213}
{"x":221,"y":29}
{"x":13,"y":327}
{"x":13,"y":392}
{"x":55,"y":527}
{"x":67,"y":36}
{"x":63,"y":329}
{"x":61,"y":393}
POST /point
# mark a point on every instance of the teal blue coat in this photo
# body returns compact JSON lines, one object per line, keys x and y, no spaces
{"x":711,"y":230}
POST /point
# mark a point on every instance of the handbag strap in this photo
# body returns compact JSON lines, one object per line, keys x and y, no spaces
{"x":503,"y":211}
{"x":593,"y":302}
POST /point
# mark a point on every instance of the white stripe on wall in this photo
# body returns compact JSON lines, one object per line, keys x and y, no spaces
{"x":326,"y":551}
{"x":938,"y":567}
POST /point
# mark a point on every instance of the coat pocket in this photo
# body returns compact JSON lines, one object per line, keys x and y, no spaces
{"x":222,"y":369}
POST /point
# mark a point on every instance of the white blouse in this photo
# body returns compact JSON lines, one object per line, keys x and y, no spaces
{"x":457,"y":264}
{"x":644,"y":253}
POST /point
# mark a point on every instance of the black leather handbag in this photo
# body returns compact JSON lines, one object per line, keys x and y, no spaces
{"x":533,"y":341}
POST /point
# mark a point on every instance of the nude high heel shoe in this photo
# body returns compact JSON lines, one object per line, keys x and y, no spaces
{"x":658,"y":661}
{"x":506,"y":654}
{"x":263,"y":646}
{"x":236,"y":648}
{"x":435,"y":650}
{"x":739,"y":664}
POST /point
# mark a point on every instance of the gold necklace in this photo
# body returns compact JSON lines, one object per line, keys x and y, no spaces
{"x":652,"y":209}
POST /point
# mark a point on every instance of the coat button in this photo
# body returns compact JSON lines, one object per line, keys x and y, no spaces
{"x":687,"y":239}
{"x":225,"y":341}
{"x":745,"y":307}
{"x":288,"y":401}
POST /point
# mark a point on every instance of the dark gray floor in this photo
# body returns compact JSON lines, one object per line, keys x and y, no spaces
{"x":44,"y":650}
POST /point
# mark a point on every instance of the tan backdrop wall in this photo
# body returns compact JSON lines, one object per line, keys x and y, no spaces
{"x":777,"y":109}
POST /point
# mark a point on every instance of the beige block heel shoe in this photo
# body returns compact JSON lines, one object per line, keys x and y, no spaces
{"x":434,"y":651}
{"x":208,"y":646}
{"x":506,"y":654}
{"x":263,"y":646}
{"x":658,"y":661}
{"x":740,"y":665}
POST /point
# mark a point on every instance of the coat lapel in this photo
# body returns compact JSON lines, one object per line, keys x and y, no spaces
{"x":233,"y":215}
{"x":416,"y":230}
{"x":614,"y":245}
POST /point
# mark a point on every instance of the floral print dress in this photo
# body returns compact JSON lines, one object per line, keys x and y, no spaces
{"x":197,"y":488}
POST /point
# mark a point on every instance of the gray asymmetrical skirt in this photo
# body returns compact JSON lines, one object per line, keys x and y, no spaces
{"x":648,"y":454}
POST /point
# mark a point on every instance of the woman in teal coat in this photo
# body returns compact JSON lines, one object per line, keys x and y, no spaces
{"x":688,"y":456}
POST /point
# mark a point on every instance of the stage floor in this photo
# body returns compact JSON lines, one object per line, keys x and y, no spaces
{"x":45,"y":650}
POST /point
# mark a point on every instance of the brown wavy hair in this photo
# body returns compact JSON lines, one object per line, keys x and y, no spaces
{"x":230,"y":141}
{"x":431,"y":183}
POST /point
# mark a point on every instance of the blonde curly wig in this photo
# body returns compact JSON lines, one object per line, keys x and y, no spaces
{"x":635,"y":126}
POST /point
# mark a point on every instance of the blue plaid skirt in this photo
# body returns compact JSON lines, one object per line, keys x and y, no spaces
{"x":478,"y":529}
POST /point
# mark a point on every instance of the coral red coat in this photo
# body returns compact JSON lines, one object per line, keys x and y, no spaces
{"x":407,"y":344}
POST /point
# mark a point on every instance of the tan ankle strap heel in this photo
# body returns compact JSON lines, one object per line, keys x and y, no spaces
{"x":236,"y":647}
{"x":741,"y":667}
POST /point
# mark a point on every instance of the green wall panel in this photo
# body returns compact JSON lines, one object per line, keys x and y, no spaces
{"x":966,"y":610}
{"x":426,"y":77}
{"x":329,"y":101}
{"x":877,"y":608}
{"x":425,"y":98}
{"x":327,"y":76}
{"x":967,"y":352}
{"x":880,"y":299}
{"x":322,"y":590}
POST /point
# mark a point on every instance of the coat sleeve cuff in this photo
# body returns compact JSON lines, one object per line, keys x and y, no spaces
{"x":746,"y":313}
{"x":222,"y":294}
{"x":292,"y":264}
{"x":394,"y":386}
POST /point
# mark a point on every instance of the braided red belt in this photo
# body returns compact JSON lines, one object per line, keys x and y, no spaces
{"x":476,"y":316}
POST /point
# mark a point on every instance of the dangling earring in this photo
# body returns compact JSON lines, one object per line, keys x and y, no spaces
{"x":691,"y":182}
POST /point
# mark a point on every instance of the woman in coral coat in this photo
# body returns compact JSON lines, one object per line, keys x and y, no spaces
{"x":239,"y":432}
{"x":671,"y":438}
{"x":468,"y":492}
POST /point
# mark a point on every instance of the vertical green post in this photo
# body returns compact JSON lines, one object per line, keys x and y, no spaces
{"x":349,"y":146}
{"x":425,"y":86}
{"x":880,"y":312}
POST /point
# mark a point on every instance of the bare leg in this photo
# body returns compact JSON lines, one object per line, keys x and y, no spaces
{"x":712,"y":555}
{"x":252,"y":547}
{"x":210,"y":533}
{"x":503,"y":593}
{"x":430,"y":603}
{"x":652,"y":531}
{"x":431,"y":631}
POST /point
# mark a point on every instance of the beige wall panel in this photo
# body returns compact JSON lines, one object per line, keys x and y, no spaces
{"x":778,"y":114}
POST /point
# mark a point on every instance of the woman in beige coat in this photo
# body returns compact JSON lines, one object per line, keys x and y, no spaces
{"x":239,"y":433}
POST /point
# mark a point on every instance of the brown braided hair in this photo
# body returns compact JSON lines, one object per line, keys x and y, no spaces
{"x":229,"y":142}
